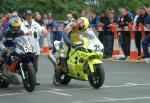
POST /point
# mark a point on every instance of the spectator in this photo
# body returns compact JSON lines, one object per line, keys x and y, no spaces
{"x":95,"y":21}
{"x":112,"y":10}
{"x":50,"y":14}
{"x":57,"y":35}
{"x":106,"y":34}
{"x":5,"y":24}
{"x":137,"y":15}
{"x":110,"y":36}
{"x":50,"y":33}
{"x":8,"y":16}
{"x":45,"y":19}
{"x":129,"y":13}
{"x":74,"y":15}
{"x":38,"y":19}
{"x":146,"y":39}
{"x":103,"y":18}
{"x":15,"y":14}
{"x":33,"y":30}
{"x":89,"y":13}
{"x":69,"y":19}
{"x":143,"y":14}
{"x":124,"y":20}
{"x":83,"y":13}
{"x":138,"y":34}
{"x":37,"y":13}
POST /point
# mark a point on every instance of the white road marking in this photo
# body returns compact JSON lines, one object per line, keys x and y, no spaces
{"x":11,"y":94}
{"x":58,"y":90}
{"x":54,"y":92}
{"x":131,"y":83}
{"x":113,"y":99}
{"x":126,"y":85}
{"x":108,"y":98}
{"x":60,"y":93}
{"x":46,"y":91}
{"x":134,"y":84}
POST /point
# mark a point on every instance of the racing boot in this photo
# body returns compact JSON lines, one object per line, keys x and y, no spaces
{"x":57,"y":78}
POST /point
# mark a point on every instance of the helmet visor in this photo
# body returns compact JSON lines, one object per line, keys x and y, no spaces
{"x":80,"y":23}
{"x":15,"y":28}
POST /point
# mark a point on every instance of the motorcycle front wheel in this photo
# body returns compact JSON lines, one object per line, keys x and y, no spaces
{"x":96,"y":79}
{"x":30,"y":79}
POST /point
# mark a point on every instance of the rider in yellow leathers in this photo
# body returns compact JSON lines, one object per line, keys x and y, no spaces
{"x":72,"y":34}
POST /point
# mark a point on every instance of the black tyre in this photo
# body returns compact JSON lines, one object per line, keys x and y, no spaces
{"x":3,"y":83}
{"x":63,"y":79}
{"x":96,"y":79}
{"x":30,"y":79}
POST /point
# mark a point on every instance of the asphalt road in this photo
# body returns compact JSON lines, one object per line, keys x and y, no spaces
{"x":125,"y":82}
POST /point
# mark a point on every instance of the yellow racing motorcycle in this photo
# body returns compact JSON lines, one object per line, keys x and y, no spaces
{"x":83,"y":62}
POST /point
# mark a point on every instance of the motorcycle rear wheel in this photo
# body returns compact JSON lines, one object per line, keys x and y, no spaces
{"x":96,"y":79}
{"x":63,"y":79}
{"x":30,"y":79}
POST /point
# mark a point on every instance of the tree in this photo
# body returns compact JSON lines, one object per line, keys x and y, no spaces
{"x":61,"y":7}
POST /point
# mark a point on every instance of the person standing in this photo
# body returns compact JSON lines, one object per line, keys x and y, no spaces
{"x":69,"y":19}
{"x":33,"y":30}
{"x":142,"y":14}
{"x":146,"y":39}
{"x":54,"y":34}
{"x":124,"y":20}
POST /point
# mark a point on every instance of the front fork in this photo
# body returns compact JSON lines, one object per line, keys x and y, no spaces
{"x":92,"y":63}
{"x":22,"y":72}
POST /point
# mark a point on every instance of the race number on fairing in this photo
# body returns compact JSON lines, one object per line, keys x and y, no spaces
{"x":27,"y":48}
{"x":96,"y":45}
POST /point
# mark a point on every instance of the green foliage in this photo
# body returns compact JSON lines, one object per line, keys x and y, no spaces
{"x":60,"y":8}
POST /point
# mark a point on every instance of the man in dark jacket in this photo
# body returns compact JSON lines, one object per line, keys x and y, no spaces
{"x":139,"y":22}
{"x":124,"y":20}
{"x":7,"y":41}
{"x":146,"y":40}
